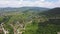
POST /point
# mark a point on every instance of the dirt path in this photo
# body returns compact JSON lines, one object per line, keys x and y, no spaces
{"x":5,"y":32}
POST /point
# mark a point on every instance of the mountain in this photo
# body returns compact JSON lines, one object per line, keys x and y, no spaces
{"x":52,"y":12}
{"x":35,"y":8}
{"x":7,"y":9}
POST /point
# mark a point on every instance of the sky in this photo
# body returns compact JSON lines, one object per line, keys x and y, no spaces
{"x":33,"y":3}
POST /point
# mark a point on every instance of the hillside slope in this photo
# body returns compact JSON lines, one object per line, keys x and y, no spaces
{"x":52,"y":12}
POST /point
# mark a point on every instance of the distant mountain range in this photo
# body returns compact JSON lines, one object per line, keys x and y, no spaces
{"x":46,"y":11}
{"x":7,"y":9}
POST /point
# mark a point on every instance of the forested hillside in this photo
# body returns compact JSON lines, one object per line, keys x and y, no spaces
{"x":30,"y":21}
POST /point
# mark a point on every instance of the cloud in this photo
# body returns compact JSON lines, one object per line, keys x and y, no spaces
{"x":9,"y":3}
{"x":21,"y":3}
{"x":42,"y":3}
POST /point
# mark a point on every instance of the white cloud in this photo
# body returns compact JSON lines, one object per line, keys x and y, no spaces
{"x":20,"y":3}
{"x":42,"y":0}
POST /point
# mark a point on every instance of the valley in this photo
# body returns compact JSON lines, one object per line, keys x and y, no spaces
{"x":29,"y":20}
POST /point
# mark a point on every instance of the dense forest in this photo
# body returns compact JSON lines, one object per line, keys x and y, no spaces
{"x":32,"y":20}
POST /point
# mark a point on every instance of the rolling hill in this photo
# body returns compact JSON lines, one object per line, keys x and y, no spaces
{"x":52,"y":12}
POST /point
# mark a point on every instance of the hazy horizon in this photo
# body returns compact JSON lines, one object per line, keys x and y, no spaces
{"x":30,"y":3}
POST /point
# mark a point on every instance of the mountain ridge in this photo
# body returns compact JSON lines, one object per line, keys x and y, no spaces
{"x":21,"y":9}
